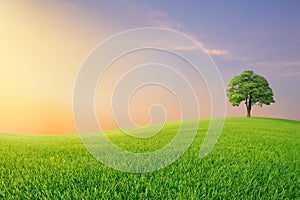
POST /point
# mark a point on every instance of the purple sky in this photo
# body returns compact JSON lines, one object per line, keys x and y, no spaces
{"x":44,"y":43}
{"x":260,"y":35}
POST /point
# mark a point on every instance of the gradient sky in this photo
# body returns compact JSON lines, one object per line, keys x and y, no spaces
{"x":43,"y":44}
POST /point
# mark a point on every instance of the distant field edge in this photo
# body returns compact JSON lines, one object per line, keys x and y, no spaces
{"x":176,"y":121}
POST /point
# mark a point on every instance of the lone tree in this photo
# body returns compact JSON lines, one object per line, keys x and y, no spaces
{"x":251,"y":88}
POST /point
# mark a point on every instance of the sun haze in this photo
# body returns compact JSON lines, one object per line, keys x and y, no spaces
{"x":43,"y":45}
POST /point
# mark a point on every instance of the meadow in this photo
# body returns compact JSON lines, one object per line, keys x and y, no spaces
{"x":255,"y":158}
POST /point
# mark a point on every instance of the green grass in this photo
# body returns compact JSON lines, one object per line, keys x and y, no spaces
{"x":256,"y":158}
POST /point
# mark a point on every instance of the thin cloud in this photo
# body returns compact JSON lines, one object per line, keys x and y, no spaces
{"x":161,"y":19}
{"x":214,"y":52}
{"x":186,"y":47}
{"x":289,"y":74}
{"x":293,"y":64}
{"x":281,"y":64}
{"x":217,"y":52}
{"x":71,"y":5}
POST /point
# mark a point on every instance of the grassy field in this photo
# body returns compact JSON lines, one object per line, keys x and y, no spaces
{"x":256,"y":158}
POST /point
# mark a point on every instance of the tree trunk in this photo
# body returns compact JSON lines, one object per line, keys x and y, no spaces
{"x":248,"y":105}
{"x":249,"y":110}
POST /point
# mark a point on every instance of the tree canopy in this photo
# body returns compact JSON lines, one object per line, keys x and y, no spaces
{"x":251,"y":88}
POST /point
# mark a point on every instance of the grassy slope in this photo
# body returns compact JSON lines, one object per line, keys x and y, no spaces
{"x":254,"y":158}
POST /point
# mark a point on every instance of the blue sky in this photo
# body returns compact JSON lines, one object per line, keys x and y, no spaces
{"x":260,"y":35}
{"x":44,"y":43}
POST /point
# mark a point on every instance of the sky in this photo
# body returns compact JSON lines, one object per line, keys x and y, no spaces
{"x":44,"y":43}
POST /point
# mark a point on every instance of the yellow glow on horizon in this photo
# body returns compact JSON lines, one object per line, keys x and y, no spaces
{"x":41,"y":50}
